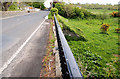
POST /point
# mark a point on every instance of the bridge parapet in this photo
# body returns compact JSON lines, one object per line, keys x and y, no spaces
{"x":70,"y":69}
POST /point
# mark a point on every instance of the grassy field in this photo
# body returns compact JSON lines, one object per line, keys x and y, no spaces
{"x":101,"y":11}
{"x":96,"y":53}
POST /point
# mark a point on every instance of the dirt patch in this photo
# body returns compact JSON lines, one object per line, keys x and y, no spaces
{"x":48,"y":62}
{"x":67,"y":32}
{"x":70,"y":34}
{"x":116,"y":55}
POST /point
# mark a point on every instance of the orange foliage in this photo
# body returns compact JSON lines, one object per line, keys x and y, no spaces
{"x":115,"y":14}
{"x":105,"y":27}
{"x":117,"y":30}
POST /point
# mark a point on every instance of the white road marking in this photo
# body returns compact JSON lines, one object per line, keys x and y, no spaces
{"x":46,"y":17}
{"x":20,"y":48}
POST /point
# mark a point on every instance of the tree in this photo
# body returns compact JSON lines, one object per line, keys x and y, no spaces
{"x":6,"y":5}
{"x":29,"y":3}
{"x":38,"y":5}
{"x":69,"y":11}
{"x":60,"y":7}
{"x":14,"y":6}
{"x":0,"y":6}
{"x":42,"y":6}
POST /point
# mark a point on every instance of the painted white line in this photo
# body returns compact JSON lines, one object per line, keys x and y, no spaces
{"x":19,"y":49}
{"x":46,"y":17}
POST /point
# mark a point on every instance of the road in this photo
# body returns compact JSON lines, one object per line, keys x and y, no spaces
{"x":15,"y":31}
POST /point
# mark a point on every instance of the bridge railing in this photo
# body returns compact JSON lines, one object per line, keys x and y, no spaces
{"x":69,"y":66}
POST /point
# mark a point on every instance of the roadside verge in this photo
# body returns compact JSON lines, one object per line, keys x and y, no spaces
{"x":51,"y":63}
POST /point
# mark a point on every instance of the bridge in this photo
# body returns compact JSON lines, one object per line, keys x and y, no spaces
{"x":24,"y":41}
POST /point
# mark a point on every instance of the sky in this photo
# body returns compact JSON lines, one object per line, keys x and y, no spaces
{"x":47,"y":2}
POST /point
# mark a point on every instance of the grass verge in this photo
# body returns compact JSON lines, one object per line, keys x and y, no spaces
{"x":97,"y":55}
{"x":48,"y":67}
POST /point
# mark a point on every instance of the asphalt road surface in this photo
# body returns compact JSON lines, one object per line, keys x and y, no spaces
{"x":14,"y":33}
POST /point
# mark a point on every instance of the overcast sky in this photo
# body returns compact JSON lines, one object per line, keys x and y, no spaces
{"x":47,"y":2}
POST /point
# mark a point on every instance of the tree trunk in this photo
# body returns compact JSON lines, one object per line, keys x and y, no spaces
{"x":6,"y":6}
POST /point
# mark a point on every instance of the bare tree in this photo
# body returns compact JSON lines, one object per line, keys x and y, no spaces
{"x":6,"y":5}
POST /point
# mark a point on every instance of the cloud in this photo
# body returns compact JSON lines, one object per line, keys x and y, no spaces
{"x":47,"y":2}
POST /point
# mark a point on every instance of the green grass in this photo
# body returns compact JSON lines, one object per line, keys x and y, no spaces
{"x":94,"y":55}
{"x":13,"y":7}
{"x":101,"y":11}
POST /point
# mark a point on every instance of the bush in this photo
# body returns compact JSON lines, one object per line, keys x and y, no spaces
{"x":115,"y":14}
{"x":38,"y":5}
{"x":104,"y":27}
{"x":78,"y":12}
{"x":60,"y":8}
{"x":102,"y":16}
{"x":117,"y":30}
{"x":13,"y":7}
{"x":54,"y":10}
{"x":81,"y":14}
{"x":86,"y":13}
{"x":69,"y":11}
{"x":51,"y":13}
{"x":50,"y":16}
{"x":42,"y":6}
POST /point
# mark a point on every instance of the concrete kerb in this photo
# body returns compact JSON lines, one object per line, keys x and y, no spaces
{"x":57,"y":58}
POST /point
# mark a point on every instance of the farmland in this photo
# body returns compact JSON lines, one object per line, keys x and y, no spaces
{"x":95,"y":52}
{"x":101,"y":11}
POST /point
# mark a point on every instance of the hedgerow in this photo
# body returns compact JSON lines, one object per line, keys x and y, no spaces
{"x":52,"y":12}
{"x":70,"y":11}
{"x":60,"y":8}
{"x":13,"y":7}
{"x":94,"y":56}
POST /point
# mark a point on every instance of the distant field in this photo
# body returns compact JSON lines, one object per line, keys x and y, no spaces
{"x":95,"y":53}
{"x":101,"y":11}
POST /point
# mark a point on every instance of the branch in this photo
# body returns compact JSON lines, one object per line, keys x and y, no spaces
{"x":1,"y":3}
{"x":10,"y":4}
